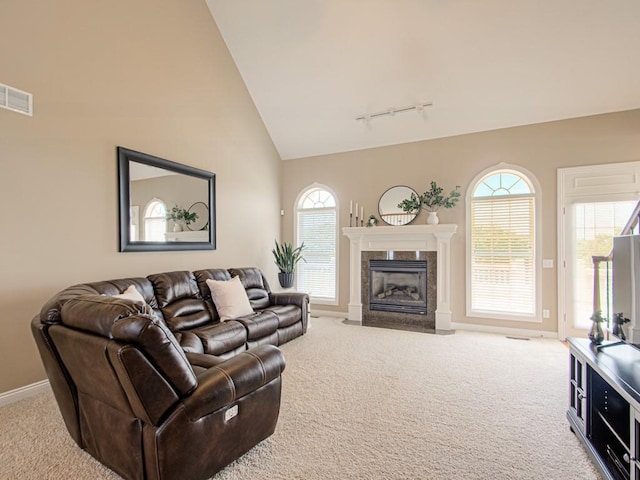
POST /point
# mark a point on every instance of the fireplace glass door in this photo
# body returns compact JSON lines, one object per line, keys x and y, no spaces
{"x":398,"y":286}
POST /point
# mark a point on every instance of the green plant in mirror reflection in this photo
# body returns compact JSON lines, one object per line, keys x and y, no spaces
{"x":179,"y":215}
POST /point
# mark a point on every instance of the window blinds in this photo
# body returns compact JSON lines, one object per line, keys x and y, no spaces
{"x":503,"y":255}
{"x":317,"y":276}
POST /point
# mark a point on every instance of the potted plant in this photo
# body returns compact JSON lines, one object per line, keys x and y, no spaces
{"x":596,"y":335}
{"x":286,"y":258}
{"x":619,"y":320}
{"x":180,"y":216}
{"x":431,"y":201}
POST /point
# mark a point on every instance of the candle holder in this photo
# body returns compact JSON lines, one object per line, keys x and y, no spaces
{"x":361,"y":222}
{"x":350,"y":219}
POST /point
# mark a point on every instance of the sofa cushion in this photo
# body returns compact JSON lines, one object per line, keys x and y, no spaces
{"x":255,"y":284}
{"x":189,"y":342}
{"x":179,"y":300}
{"x":98,"y":313}
{"x":50,"y":312}
{"x":268,"y":340}
{"x":286,"y":314}
{"x":202,"y":276}
{"x":115,"y":287}
{"x":220,"y":338}
{"x":260,"y":324}
{"x":185,"y":314}
{"x":230,"y":298}
{"x":287,"y":334}
{"x":201,"y":279}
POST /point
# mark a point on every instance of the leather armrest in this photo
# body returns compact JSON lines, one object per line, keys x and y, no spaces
{"x":293,"y":298}
{"x":232,"y":379}
{"x":203,"y":360}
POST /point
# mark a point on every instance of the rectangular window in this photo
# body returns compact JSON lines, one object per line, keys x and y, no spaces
{"x":503,"y":273}
{"x":317,"y":275}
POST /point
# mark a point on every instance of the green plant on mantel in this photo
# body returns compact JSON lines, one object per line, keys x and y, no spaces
{"x":431,"y":200}
{"x":180,"y":215}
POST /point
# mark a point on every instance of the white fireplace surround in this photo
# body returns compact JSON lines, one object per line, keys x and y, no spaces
{"x":429,"y":238}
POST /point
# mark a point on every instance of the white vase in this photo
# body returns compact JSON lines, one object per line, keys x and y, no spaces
{"x":177,"y":227}
{"x":432,"y":218}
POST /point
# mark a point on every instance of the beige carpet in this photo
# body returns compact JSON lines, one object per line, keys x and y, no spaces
{"x":368,"y":403}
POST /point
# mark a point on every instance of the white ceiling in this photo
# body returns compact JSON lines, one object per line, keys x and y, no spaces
{"x":312,"y":66}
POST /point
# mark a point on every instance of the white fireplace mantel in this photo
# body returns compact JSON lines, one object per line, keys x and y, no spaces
{"x":429,"y":238}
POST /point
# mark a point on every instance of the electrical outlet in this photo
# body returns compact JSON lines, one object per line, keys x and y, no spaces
{"x":232,"y":412}
{"x":545,"y":313}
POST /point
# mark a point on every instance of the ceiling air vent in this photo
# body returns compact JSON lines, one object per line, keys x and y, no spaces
{"x":16,"y":100}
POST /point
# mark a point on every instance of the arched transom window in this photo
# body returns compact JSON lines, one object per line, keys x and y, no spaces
{"x":502,"y":272}
{"x":316,"y":220}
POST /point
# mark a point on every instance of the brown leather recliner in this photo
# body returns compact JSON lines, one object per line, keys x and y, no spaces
{"x":138,"y":403}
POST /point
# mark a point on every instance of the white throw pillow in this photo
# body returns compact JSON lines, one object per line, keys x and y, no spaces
{"x":230,"y":298}
{"x":131,"y":293}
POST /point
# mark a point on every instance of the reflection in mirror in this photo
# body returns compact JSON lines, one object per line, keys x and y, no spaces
{"x":388,"y":205}
{"x":200,"y":222}
{"x":150,"y":188}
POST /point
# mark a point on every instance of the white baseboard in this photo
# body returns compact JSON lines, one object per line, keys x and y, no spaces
{"x":516,"y":332}
{"x":328,"y":313}
{"x":21,"y":393}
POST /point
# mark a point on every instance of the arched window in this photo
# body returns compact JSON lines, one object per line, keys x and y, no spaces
{"x":502,"y":260}
{"x":155,"y":221}
{"x":317,"y":227}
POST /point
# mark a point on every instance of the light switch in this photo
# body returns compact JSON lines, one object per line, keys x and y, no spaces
{"x":547,"y":263}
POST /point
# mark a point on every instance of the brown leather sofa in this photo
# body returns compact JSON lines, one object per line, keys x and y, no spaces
{"x":163,"y":389}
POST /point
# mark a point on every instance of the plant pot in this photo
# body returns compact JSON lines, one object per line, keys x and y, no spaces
{"x":596,"y":335}
{"x":177,"y":227}
{"x":432,"y":218}
{"x":285,"y":279}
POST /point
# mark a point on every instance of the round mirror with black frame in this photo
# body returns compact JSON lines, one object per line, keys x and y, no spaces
{"x":388,"y":208}
{"x":202,"y":220}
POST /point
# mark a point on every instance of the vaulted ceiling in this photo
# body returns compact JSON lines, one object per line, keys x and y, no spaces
{"x":313,"y":66}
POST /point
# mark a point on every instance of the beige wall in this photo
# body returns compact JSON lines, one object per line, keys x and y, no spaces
{"x":153,"y":76}
{"x":364,"y":175}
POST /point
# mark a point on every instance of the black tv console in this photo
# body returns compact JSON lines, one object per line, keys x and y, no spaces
{"x":604,"y":405}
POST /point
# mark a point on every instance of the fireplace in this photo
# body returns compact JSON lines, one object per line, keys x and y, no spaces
{"x":398,"y":286}
{"x":399,"y":290}
{"x":408,"y":242}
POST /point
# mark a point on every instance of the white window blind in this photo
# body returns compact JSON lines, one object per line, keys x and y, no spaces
{"x":155,"y":221}
{"x":503,"y":273}
{"x":317,"y":276}
{"x":317,"y":228}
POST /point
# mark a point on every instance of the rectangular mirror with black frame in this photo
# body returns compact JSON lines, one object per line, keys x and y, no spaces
{"x":164,"y":205}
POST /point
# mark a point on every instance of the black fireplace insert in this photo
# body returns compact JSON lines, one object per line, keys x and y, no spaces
{"x":398,"y":286}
